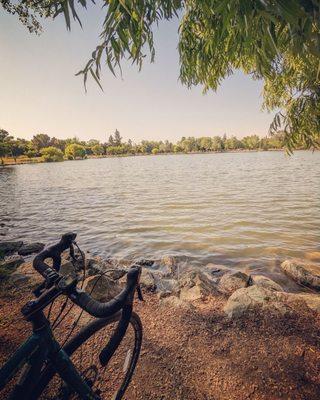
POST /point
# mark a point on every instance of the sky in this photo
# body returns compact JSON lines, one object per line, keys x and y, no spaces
{"x":39,"y":92}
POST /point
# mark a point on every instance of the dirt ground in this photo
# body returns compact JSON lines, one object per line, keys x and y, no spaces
{"x":195,"y":353}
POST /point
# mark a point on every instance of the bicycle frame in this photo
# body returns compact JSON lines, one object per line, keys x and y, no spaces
{"x":32,"y":356}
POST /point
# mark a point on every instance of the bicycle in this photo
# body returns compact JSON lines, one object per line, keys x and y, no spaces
{"x":41,"y":360}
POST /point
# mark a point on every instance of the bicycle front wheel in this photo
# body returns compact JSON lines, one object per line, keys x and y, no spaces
{"x":107,"y":382}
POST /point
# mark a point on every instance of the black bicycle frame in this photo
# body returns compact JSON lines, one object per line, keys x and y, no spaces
{"x":33,"y":355}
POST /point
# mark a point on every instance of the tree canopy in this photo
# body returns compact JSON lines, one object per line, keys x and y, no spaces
{"x":277,"y":41}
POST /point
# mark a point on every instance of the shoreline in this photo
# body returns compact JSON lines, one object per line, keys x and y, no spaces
{"x":262,"y":354}
{"x":9,"y":161}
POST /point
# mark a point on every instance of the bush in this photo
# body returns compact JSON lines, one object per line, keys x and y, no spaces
{"x":51,"y":154}
{"x":155,"y":151}
{"x":97,"y":150}
{"x":31,"y":154}
{"x":74,"y":151}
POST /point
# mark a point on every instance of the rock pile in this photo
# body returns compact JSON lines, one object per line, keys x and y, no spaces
{"x":181,"y":284}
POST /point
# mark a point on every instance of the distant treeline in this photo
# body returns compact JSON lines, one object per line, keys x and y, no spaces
{"x":53,"y":149}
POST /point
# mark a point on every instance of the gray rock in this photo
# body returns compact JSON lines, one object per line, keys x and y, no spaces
{"x":67,"y":268}
{"x":101,"y":288}
{"x":115,"y":274}
{"x":147,"y":280}
{"x":30,"y":248}
{"x":263,"y":281}
{"x":8,"y":247}
{"x":303,"y":273}
{"x":18,"y":279}
{"x":169,"y":265}
{"x":253,"y":297}
{"x":11,"y":262}
{"x":232,"y":281}
{"x":195,"y":286}
{"x":216,"y":269}
{"x":145,"y":262}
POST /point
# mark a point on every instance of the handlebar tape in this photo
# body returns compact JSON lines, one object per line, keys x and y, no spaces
{"x":54,"y":252}
{"x":117,"y":336}
{"x":104,"y":310}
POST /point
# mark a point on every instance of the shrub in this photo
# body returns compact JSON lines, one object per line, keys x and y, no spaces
{"x":74,"y":151}
{"x":51,"y":154}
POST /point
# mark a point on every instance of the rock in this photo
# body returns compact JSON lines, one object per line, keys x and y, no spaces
{"x":7,"y":248}
{"x":263,"y":281}
{"x":30,"y":248}
{"x":145,"y":262}
{"x":67,"y":268}
{"x":195,"y":286}
{"x":147,"y":280}
{"x":18,"y":279}
{"x":169,"y":264}
{"x":13,"y":261}
{"x":232,"y":281}
{"x":9,"y":265}
{"x":216,"y":269}
{"x":101,"y":288}
{"x":253,"y":297}
{"x":302,"y":273}
{"x":164,"y":294}
{"x":94,"y":268}
{"x":115,"y":274}
{"x":165,"y":284}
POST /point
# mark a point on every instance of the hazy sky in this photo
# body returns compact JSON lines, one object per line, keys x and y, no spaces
{"x":39,"y":92}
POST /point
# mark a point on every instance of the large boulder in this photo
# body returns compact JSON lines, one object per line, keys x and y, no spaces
{"x":267,"y":283}
{"x":195,"y":285}
{"x":101,"y":288}
{"x":232,"y":281}
{"x":30,"y":248}
{"x":255,"y":297}
{"x":9,"y":247}
{"x":303,"y":273}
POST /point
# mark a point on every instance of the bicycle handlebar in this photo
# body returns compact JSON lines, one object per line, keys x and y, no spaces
{"x":54,"y":252}
{"x":82,"y":299}
{"x":104,"y":310}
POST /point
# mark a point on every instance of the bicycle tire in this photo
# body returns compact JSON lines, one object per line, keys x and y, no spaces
{"x":81,"y":338}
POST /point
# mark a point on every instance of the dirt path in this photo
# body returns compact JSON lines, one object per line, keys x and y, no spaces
{"x":197,"y":354}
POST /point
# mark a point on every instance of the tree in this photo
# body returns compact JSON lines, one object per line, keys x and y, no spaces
{"x":98,"y":150}
{"x":251,"y":142}
{"x":58,"y":143}
{"x":5,"y":140}
{"x":277,"y":41}
{"x":18,"y":147}
{"x":51,"y":154}
{"x":40,"y":141}
{"x":155,"y":150}
{"x":74,"y":151}
{"x":117,"y":138}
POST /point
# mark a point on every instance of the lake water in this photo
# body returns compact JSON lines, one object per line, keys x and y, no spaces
{"x":247,"y":210}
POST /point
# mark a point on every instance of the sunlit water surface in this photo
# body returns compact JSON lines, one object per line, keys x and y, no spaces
{"x":246,"y":210}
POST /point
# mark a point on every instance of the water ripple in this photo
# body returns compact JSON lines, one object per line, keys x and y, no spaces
{"x":245,"y":209}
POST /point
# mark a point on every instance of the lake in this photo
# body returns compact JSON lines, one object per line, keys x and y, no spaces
{"x":248,"y":210}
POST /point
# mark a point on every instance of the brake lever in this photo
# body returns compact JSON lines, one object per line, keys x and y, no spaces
{"x":139,"y":292}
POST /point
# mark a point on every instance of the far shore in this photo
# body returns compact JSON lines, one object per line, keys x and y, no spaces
{"x":9,"y":161}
